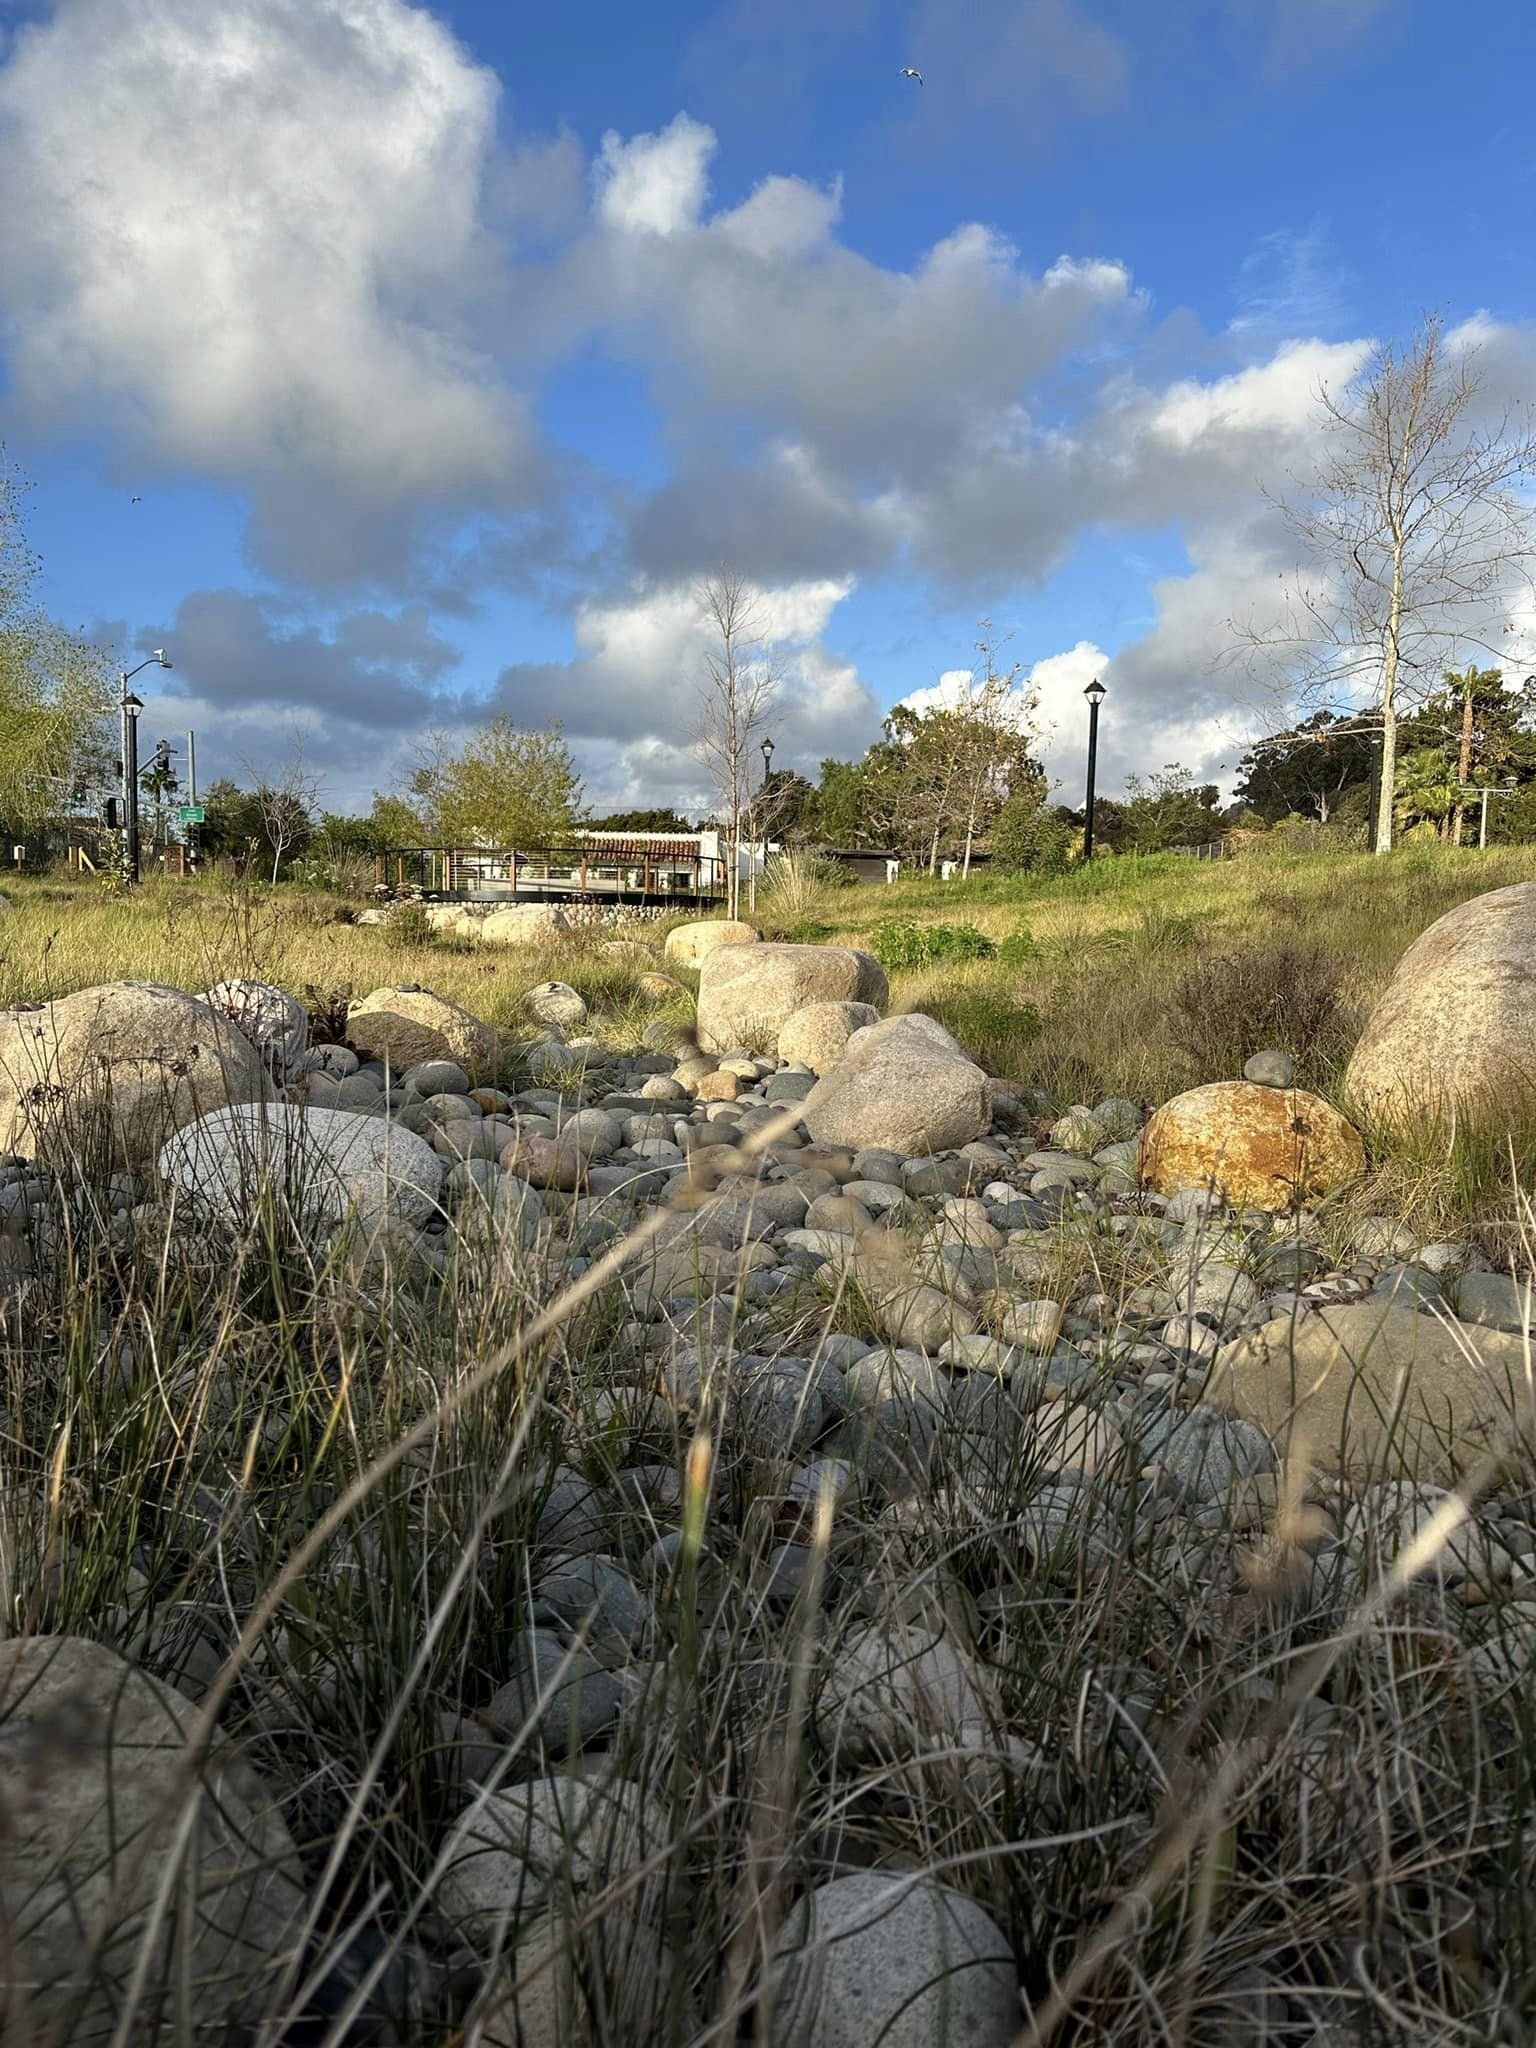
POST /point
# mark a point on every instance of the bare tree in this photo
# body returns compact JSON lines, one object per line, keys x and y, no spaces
{"x":1414,"y":537}
{"x":286,"y":799}
{"x":742,"y":678}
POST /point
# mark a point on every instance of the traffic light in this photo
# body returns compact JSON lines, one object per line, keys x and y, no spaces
{"x":114,"y":814}
{"x":161,"y":764}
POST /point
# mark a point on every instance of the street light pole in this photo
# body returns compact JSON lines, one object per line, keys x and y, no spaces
{"x":129,"y":709}
{"x":1095,"y":693}
{"x":767,"y":751}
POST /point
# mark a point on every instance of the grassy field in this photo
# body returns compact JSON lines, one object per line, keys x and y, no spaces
{"x":1137,"y":978}
{"x":315,"y":1496}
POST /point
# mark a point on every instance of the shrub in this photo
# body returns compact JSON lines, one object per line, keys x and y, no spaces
{"x":901,"y":942}
{"x":409,"y":923}
{"x":1030,"y":840}
{"x":994,"y":1029}
{"x":1227,"y":1006}
{"x":1020,"y":948}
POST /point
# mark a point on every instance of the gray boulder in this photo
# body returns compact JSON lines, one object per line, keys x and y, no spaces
{"x":557,"y":1003}
{"x":98,"y":1752}
{"x":129,"y":1061}
{"x":324,"y":1165}
{"x":818,"y":1035}
{"x":904,"y":1085}
{"x":880,"y":1960}
{"x":513,"y":1854}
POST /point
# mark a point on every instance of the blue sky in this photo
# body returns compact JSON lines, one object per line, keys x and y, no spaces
{"x":445,"y":349}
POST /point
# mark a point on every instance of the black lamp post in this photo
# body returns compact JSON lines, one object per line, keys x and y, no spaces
{"x":129,"y":709}
{"x":767,"y":773}
{"x":1095,"y":694}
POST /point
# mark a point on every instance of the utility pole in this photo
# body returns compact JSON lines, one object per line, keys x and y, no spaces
{"x":192,"y":831}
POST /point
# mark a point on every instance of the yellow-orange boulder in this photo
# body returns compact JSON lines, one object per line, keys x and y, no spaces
{"x":1263,"y":1148}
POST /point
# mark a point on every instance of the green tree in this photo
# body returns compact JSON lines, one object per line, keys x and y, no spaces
{"x":1426,"y":789}
{"x":1030,"y":838}
{"x":232,"y":828}
{"x":55,"y":692}
{"x":504,"y":786}
{"x":659,"y":819}
{"x":841,"y":815}
{"x":1166,"y":810}
{"x":1305,"y":772}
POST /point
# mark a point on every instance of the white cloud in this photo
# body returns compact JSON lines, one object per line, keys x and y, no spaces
{"x":655,"y":184}
{"x":250,"y":232}
{"x":630,"y":699}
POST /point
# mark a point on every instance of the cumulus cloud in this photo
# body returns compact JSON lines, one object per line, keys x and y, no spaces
{"x":654,"y":184}
{"x":251,"y":231}
{"x":249,"y":675}
{"x":630,"y":699}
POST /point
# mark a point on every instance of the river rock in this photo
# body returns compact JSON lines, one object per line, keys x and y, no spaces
{"x":747,"y":993}
{"x":1265,"y":1148}
{"x":892,"y":1960}
{"x":404,"y":1026}
{"x":321,"y":1164}
{"x":903,"y":1085}
{"x":128,"y":1061}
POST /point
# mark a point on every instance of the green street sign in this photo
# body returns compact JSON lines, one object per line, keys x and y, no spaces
{"x":192,"y":814}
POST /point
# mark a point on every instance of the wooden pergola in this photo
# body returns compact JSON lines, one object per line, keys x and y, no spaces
{"x":647,"y":868}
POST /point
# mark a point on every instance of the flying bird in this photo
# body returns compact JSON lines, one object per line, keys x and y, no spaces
{"x":135,"y":501}
{"x":908,"y":71}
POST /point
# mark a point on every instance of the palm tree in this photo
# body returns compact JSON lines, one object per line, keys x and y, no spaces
{"x":1427,"y":788}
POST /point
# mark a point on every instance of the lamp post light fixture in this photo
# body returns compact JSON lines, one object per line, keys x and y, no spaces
{"x":129,"y":708}
{"x":1095,"y":693}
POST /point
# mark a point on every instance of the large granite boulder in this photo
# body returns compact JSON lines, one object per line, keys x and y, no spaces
{"x":323,"y":1165}
{"x":746,"y":993}
{"x":1378,"y":1391}
{"x":523,"y":924}
{"x":817,"y":1036}
{"x":688,"y":945}
{"x":276,"y":1023}
{"x":1263,"y":1148}
{"x":97,"y":1783}
{"x":118,"y":1067}
{"x":904,"y":1085}
{"x":405,"y":1026}
{"x":1454,"y":1033}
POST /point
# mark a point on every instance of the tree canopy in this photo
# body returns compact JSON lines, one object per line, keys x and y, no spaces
{"x":503,"y":785}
